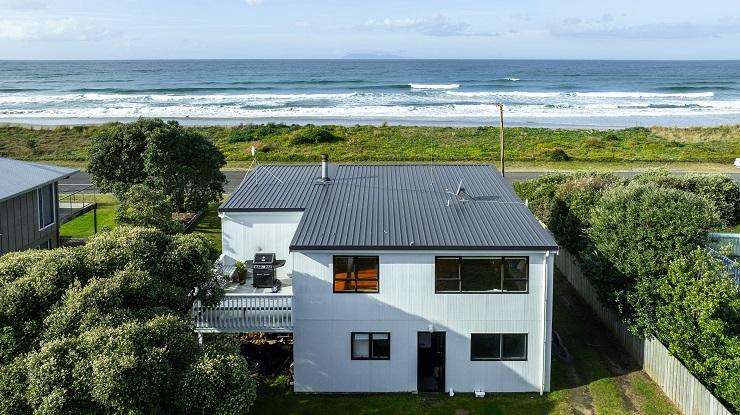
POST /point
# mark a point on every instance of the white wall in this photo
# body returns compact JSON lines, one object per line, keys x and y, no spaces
{"x":405,"y":305}
{"x":245,"y":233}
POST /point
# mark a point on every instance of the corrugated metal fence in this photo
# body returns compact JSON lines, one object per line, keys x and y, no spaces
{"x":691,"y":397}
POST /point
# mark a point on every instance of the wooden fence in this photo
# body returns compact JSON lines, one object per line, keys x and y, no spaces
{"x":689,"y":395}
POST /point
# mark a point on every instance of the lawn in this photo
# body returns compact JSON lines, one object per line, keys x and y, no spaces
{"x":210,"y":225}
{"x":82,"y":226}
{"x":601,"y":379}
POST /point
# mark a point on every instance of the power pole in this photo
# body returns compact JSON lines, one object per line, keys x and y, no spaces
{"x":501,"y":141}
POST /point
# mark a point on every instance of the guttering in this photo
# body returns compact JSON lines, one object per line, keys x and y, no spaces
{"x":418,"y":248}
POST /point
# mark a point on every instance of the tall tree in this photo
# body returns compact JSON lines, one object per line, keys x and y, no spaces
{"x":163,"y":155}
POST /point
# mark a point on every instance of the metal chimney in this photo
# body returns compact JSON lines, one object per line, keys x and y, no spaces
{"x":325,"y":168}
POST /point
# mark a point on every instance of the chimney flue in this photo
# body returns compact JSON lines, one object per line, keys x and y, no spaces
{"x":325,"y":168}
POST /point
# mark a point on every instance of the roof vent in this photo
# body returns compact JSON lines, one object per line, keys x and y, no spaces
{"x":325,"y":169}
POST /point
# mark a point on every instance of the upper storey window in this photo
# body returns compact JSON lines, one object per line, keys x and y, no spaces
{"x":46,"y":205}
{"x":481,"y":274}
{"x":356,"y":274}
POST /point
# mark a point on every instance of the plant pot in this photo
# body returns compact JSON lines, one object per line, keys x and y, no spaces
{"x":241,"y":277}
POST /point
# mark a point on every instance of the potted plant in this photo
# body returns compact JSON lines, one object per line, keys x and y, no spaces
{"x":240,"y":272}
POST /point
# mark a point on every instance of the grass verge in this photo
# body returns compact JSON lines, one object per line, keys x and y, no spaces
{"x":364,"y":143}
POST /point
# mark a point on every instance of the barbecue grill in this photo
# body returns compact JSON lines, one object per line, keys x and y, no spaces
{"x":263,"y":271}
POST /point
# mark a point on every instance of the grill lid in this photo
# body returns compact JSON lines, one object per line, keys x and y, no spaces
{"x":263,"y":258}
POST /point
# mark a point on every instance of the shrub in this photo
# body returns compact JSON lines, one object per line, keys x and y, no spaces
{"x":642,"y":228}
{"x":564,"y":202}
{"x":540,"y":193}
{"x":312,"y":134}
{"x":255,"y":132}
{"x":699,"y":320}
{"x":574,"y":200}
{"x":556,"y":154}
{"x":13,"y":385}
{"x":721,"y":190}
{"x":639,"y":230}
{"x":138,"y":365}
{"x":144,"y":206}
{"x":218,"y":384}
{"x":105,"y":328}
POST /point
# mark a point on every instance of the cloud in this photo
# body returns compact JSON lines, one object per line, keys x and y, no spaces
{"x":50,"y":30}
{"x":439,"y":25}
{"x":607,"y":28}
{"x":24,"y":4}
{"x":254,"y":3}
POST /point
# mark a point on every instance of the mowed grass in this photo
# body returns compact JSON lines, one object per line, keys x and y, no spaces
{"x":210,"y":225}
{"x":363,"y":143}
{"x":601,"y":379}
{"x":83,"y":226}
{"x":276,"y":397}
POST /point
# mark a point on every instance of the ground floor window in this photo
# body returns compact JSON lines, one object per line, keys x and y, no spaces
{"x":498,"y":346}
{"x":371,"y":346}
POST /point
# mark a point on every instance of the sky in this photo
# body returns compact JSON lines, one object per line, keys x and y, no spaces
{"x":335,"y":29}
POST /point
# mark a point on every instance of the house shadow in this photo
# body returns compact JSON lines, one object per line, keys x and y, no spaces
{"x":595,"y":353}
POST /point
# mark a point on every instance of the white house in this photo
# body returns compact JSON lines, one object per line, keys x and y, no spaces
{"x":397,"y":278}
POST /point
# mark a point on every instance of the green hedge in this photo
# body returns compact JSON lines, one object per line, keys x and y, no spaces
{"x":639,"y":242}
{"x":105,"y":329}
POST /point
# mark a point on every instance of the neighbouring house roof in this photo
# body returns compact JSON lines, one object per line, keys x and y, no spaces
{"x":18,"y":177}
{"x":394,"y":207}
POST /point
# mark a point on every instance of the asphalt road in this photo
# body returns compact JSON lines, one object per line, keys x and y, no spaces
{"x":81,"y":180}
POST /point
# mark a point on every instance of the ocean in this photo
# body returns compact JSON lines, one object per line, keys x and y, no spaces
{"x":593,"y":94}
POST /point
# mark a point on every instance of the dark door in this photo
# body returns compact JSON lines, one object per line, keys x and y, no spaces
{"x":431,"y":361}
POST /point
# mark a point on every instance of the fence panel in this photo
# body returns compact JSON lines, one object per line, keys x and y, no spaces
{"x":689,"y":395}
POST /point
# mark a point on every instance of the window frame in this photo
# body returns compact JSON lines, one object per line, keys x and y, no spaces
{"x":370,"y":345}
{"x":501,"y":357}
{"x":501,"y":277}
{"x":354,"y":273}
{"x":39,"y":200}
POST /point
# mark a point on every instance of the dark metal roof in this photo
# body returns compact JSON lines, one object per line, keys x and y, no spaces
{"x":17,"y":177}
{"x":394,"y":207}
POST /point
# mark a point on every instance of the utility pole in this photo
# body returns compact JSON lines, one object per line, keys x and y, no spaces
{"x":501,"y":141}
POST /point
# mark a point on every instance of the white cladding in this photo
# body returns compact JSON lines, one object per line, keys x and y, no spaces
{"x":245,"y":233}
{"x":405,"y":305}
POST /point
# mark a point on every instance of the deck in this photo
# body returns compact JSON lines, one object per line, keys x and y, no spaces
{"x":247,"y":309}
{"x":77,"y":203}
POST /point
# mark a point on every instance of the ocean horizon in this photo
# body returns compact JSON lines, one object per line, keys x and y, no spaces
{"x":541,"y":93}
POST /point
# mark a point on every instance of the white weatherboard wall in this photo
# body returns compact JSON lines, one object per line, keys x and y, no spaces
{"x":405,"y":305}
{"x":245,"y":233}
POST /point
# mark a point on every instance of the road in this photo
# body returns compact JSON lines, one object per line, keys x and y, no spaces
{"x":81,"y":180}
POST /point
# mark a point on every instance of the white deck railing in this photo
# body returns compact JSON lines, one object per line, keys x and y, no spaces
{"x":243,"y":313}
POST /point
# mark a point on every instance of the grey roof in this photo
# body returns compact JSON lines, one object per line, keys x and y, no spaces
{"x":17,"y":177}
{"x":394,"y":207}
